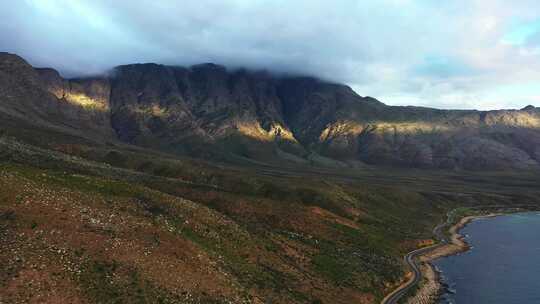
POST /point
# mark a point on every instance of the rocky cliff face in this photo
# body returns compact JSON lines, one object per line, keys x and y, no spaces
{"x":43,"y":98}
{"x":84,"y":101}
{"x":154,"y":103}
{"x":206,"y":110}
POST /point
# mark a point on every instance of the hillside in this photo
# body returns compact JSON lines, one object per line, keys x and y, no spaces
{"x":157,"y":184}
{"x":155,"y":228}
{"x":210,"y":112}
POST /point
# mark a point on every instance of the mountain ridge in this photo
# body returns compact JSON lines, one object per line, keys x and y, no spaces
{"x":278,"y":202}
{"x":208,"y":111}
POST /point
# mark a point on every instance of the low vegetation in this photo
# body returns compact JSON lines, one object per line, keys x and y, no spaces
{"x":110,"y":224}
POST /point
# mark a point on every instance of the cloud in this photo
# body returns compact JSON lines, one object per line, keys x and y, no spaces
{"x":434,"y":53}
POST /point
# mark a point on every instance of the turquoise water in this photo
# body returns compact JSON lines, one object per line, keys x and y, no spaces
{"x":503,"y":265}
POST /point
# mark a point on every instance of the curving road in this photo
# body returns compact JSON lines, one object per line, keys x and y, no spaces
{"x":410,"y":259}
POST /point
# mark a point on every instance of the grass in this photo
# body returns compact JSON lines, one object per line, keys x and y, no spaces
{"x":358,"y":258}
{"x":111,"y":282}
{"x":259,"y":225}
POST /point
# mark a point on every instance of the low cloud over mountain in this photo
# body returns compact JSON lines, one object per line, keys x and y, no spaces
{"x":456,"y":54}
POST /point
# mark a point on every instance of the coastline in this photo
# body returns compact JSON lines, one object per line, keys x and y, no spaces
{"x":432,"y":287}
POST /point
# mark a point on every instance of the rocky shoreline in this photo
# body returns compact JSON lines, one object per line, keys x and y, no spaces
{"x":432,"y":287}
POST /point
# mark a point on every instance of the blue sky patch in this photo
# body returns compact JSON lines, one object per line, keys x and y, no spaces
{"x":443,"y":67}
{"x":521,"y":33}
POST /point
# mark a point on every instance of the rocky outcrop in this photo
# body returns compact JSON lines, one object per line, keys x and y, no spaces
{"x":207,"y":110}
{"x":202,"y":105}
{"x":42,"y":98}
{"x":82,"y":100}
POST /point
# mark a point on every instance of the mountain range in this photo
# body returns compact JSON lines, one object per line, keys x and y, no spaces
{"x":241,"y":115}
{"x":162,"y":184}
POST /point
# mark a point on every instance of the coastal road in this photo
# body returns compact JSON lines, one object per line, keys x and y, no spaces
{"x":410,"y":259}
{"x":438,"y":232}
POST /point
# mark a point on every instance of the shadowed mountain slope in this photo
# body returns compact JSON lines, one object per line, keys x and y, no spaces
{"x":208,"y":111}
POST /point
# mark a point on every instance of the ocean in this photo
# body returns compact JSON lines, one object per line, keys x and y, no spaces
{"x":503,"y":266}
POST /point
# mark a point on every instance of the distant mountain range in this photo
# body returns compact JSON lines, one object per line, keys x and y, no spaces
{"x":210,"y":112}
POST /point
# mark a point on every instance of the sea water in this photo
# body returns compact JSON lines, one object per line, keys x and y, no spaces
{"x":503,"y":266}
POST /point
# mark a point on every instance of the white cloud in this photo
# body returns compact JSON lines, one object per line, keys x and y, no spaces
{"x":434,"y":53}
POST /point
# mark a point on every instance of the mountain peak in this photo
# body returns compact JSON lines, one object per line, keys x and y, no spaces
{"x":12,"y":63}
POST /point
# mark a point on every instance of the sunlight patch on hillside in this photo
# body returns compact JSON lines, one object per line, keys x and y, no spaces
{"x":256,"y":131}
{"x":85,"y":101}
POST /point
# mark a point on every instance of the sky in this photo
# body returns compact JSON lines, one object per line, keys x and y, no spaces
{"x":456,"y":54}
